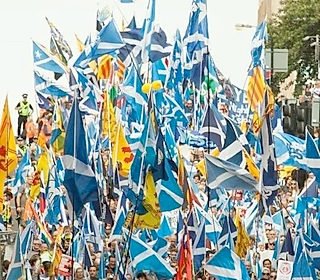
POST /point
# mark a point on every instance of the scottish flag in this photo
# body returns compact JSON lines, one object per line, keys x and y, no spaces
{"x":15,"y":268}
{"x":46,"y":86}
{"x":144,"y":258}
{"x":268,"y":168}
{"x":79,"y":179}
{"x":228,"y":235}
{"x":258,"y":43}
{"x":108,"y":41}
{"x":302,"y":269}
{"x":22,"y":170}
{"x":44,"y":60}
{"x":227,"y":265}
{"x":214,"y":127}
{"x":159,"y":47}
{"x":147,"y":30}
{"x":312,"y":155}
{"x":290,"y":150}
{"x":221,"y":173}
{"x":196,"y":40}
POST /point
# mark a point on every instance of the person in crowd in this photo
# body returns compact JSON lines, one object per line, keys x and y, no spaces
{"x":93,"y":273}
{"x":25,"y":110}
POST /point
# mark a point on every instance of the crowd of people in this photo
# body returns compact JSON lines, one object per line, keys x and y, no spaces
{"x":263,"y":247}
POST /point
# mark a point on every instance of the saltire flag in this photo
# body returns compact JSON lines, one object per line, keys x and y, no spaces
{"x":225,"y":264}
{"x":46,"y":86}
{"x":165,"y":227}
{"x":58,"y":45}
{"x":120,"y":218}
{"x":80,"y":179}
{"x":26,"y":239}
{"x":159,"y":47}
{"x":269,"y":175}
{"x":258,"y":44}
{"x":199,"y":246}
{"x":290,"y":150}
{"x":8,"y":156}
{"x":228,"y":235}
{"x":42,"y":101}
{"x":131,"y":52}
{"x":147,"y":30}
{"x":159,"y":71}
{"x":196,"y":40}
{"x":22,"y":170}
{"x":312,"y":155}
{"x":108,"y":41}
{"x":144,"y":258}
{"x":43,"y":59}
{"x":132,"y":24}
{"x":221,"y":173}
{"x":15,"y":267}
{"x":214,"y":127}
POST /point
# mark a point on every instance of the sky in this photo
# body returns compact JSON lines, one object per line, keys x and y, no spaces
{"x":24,"y":21}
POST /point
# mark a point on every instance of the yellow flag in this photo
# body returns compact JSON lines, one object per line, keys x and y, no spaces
{"x":151,"y":219}
{"x":43,"y":165}
{"x":8,"y":156}
{"x":58,"y":132}
{"x":251,"y":167}
{"x":122,"y":155}
{"x":243,"y":240}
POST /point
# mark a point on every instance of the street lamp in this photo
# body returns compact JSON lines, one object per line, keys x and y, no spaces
{"x":6,"y":238}
{"x":240,"y":26}
{"x":316,"y":45}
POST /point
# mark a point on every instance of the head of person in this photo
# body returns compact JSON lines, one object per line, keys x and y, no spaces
{"x":267,"y":264}
{"x":20,"y":141}
{"x":265,"y":273}
{"x":79,"y":274}
{"x":36,"y":245}
{"x":112,"y":262}
{"x":273,"y":275}
{"x":25,"y":98}
{"x":92,"y":271}
{"x":142,"y":276}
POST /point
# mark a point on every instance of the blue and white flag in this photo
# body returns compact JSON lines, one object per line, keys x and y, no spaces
{"x":44,"y":60}
{"x":80,"y":180}
{"x":15,"y":267}
{"x":268,"y":168}
{"x":144,"y":258}
{"x":226,"y":265}
{"x":258,"y":44}
{"x":221,"y":173}
{"x":290,"y":150}
{"x":213,"y":127}
{"x":46,"y":86}
{"x":196,"y":40}
{"x":22,"y":170}
{"x":229,"y":233}
{"x":147,"y":30}
{"x":312,"y":155}
{"x":108,"y":41}
{"x":131,"y":52}
{"x":159,"y":47}
{"x":287,"y":251}
{"x":302,"y":269}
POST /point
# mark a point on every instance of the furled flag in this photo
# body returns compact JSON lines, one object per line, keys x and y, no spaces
{"x":58,"y":45}
{"x":269,"y":175}
{"x":8,"y":156}
{"x":43,"y":59}
{"x":287,"y":251}
{"x":185,"y":259}
{"x":80,"y":179}
{"x":225,"y":264}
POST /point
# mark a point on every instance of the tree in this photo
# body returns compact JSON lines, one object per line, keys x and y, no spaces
{"x":296,"y":20}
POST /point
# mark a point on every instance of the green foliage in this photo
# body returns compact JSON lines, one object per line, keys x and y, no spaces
{"x":296,"y":20}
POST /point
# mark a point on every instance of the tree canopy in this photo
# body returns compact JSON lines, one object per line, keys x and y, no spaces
{"x":296,"y":20}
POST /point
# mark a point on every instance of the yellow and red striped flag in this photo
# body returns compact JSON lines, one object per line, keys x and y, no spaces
{"x":256,"y":88}
{"x":8,"y":156}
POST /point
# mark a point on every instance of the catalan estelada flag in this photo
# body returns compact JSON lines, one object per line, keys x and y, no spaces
{"x":256,"y":87}
{"x":8,"y":156}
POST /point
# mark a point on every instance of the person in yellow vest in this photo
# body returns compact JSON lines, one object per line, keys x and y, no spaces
{"x":25,"y":110}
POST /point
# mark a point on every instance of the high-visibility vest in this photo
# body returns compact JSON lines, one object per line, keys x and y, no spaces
{"x":24,"y":109}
